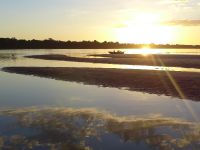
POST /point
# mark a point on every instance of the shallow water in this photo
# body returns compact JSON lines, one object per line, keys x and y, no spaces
{"x":16,"y":58}
{"x":61,"y":128}
{"x":99,"y":132}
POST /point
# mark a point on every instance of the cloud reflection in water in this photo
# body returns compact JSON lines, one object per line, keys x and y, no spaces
{"x":64,"y":128}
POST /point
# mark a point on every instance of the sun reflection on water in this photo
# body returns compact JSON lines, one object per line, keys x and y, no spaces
{"x":146,"y":50}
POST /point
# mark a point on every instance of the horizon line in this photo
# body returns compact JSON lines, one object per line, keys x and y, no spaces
{"x":128,"y":43}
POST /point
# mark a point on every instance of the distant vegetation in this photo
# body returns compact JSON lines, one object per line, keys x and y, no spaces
{"x":13,"y":43}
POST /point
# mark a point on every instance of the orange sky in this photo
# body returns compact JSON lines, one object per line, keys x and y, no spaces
{"x":144,"y":21}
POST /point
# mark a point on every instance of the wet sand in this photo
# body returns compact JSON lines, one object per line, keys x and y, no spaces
{"x":187,"y":61}
{"x":176,"y":84}
{"x":161,"y":56}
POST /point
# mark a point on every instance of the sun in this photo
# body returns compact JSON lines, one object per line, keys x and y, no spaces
{"x":145,"y":29}
{"x":145,"y":51}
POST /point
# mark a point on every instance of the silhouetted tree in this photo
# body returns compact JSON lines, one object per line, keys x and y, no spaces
{"x":13,"y":43}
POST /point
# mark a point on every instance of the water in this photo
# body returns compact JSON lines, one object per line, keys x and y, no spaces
{"x":45,"y":113}
{"x":16,"y":58}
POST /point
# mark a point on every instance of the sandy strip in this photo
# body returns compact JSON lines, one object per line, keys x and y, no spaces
{"x":151,"y":60}
{"x":176,"y":84}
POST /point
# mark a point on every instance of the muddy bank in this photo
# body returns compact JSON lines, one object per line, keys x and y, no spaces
{"x":151,"y":60}
{"x":176,"y":84}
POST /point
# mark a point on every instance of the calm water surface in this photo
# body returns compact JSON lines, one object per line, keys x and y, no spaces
{"x":15,"y":58}
{"x":45,"y":114}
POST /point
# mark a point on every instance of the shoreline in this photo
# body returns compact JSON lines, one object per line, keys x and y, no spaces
{"x":111,"y":48}
{"x":151,"y":60}
{"x":142,"y":56}
{"x":153,"y":82}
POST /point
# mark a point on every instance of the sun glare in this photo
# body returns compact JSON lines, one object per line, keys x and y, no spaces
{"x":147,"y":51}
{"x":146,"y":19}
{"x":145,"y":29}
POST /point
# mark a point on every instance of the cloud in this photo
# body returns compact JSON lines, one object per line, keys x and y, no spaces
{"x":174,"y":1}
{"x":181,"y":1}
{"x":170,"y":23}
{"x":182,"y":23}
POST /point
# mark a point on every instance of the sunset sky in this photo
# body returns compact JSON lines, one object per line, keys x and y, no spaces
{"x":132,"y":21}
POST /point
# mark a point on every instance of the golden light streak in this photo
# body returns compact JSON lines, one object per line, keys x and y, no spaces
{"x":181,"y":94}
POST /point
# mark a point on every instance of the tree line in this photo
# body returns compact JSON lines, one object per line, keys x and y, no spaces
{"x":13,"y":43}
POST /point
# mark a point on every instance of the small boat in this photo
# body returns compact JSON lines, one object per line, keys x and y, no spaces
{"x":116,"y":52}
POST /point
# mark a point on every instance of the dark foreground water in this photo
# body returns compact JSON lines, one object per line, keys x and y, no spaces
{"x":39,"y":113}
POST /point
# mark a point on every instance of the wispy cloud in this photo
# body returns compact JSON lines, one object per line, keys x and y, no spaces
{"x":182,"y":23}
{"x":174,"y":1}
{"x":168,"y":23}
